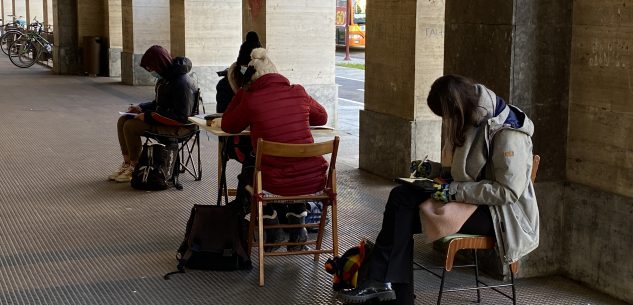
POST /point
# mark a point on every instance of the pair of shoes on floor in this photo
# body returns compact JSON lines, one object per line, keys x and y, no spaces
{"x":299,"y":235}
{"x":373,"y":291}
{"x":315,"y":210}
{"x":123,"y":174}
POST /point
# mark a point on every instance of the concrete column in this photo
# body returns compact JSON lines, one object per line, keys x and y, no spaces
{"x":520,"y":49}
{"x":209,"y":33}
{"x":599,"y":199}
{"x":145,"y":23}
{"x":506,"y":45}
{"x":48,"y":14}
{"x":35,"y":10}
{"x":403,"y":56}
{"x":114,"y":32}
{"x":90,"y":21}
{"x":299,"y":36}
{"x":7,"y":9}
{"x":66,"y":55}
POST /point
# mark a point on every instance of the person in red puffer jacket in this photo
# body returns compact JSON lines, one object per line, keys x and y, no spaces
{"x":277,"y":111}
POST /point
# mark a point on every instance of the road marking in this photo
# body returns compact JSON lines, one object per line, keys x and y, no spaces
{"x":350,"y":101}
{"x":358,"y":80}
{"x":363,"y":90}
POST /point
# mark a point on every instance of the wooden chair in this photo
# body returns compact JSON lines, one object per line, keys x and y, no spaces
{"x":455,"y":242}
{"x":327,"y":197}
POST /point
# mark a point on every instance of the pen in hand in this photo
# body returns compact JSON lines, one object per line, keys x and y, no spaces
{"x":134,"y":109}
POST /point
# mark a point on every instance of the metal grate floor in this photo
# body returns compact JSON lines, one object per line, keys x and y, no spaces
{"x":68,"y":236}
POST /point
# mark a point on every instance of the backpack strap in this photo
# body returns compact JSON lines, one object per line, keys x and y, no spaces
{"x":183,"y":259}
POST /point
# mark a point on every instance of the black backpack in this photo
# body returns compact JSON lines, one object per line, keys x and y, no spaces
{"x":215,"y":239}
{"x":155,"y":168}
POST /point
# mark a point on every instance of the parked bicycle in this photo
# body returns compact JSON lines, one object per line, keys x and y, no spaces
{"x":10,"y":33}
{"x":11,"y":25}
{"x":30,"y":48}
{"x":9,"y":37}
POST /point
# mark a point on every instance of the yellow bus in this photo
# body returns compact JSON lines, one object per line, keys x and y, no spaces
{"x":356,"y":23}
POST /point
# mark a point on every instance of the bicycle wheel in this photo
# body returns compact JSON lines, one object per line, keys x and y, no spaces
{"x":7,"y":39}
{"x":23,"y":53}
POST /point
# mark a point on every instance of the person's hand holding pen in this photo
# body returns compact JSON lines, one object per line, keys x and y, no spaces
{"x":134,"y":109}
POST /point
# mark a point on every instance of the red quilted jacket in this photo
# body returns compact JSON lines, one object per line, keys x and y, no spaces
{"x":280,"y":112}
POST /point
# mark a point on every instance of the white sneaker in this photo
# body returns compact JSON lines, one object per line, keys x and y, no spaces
{"x":121,"y":169}
{"x":126,"y":175}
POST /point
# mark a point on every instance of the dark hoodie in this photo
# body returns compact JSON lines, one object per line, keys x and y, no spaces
{"x":175,"y":93}
{"x":156,"y":58}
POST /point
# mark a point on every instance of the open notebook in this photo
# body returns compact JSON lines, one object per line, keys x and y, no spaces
{"x":424,"y":184}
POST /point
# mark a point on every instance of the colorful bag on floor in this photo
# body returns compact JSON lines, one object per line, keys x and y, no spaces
{"x":346,"y":268}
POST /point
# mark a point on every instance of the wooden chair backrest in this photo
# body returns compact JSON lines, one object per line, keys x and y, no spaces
{"x":276,"y":149}
{"x":536,"y":159}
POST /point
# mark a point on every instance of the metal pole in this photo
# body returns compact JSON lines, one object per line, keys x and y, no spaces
{"x":348,"y":20}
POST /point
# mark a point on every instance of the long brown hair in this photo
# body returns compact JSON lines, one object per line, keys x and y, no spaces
{"x":454,"y":98}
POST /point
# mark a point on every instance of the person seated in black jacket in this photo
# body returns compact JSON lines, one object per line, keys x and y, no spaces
{"x":238,"y":147}
{"x":233,"y":77}
{"x":166,"y":114}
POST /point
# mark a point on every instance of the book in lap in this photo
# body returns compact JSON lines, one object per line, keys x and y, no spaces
{"x":425,"y":184}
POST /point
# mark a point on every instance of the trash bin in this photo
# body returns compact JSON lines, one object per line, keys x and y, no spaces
{"x":92,"y":55}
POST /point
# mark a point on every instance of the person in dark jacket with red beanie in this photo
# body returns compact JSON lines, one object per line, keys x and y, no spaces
{"x":166,"y":114}
{"x":277,"y":111}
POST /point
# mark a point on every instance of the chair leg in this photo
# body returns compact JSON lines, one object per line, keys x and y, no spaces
{"x":251,"y":231}
{"x":439,"y":296}
{"x":514,"y":293}
{"x":260,"y":240}
{"x":477,"y":276}
{"x":176,"y":174}
{"x":197,"y":143}
{"x":334,"y":229}
{"x":319,"y":239}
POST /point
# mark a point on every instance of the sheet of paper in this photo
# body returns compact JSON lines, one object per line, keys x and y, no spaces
{"x":127,"y":113}
{"x":322,"y":127}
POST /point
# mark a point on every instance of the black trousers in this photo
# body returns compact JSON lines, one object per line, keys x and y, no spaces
{"x":392,"y":257}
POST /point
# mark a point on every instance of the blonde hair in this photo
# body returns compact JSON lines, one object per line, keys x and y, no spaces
{"x":262,"y":63}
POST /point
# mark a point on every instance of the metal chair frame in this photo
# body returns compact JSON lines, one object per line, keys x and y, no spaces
{"x":186,"y":147}
{"x":474,"y":243}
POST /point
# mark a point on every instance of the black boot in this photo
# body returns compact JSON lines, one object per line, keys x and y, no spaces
{"x":297,"y":235}
{"x":372,"y":291}
{"x":404,"y":294}
{"x":274,"y":235}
